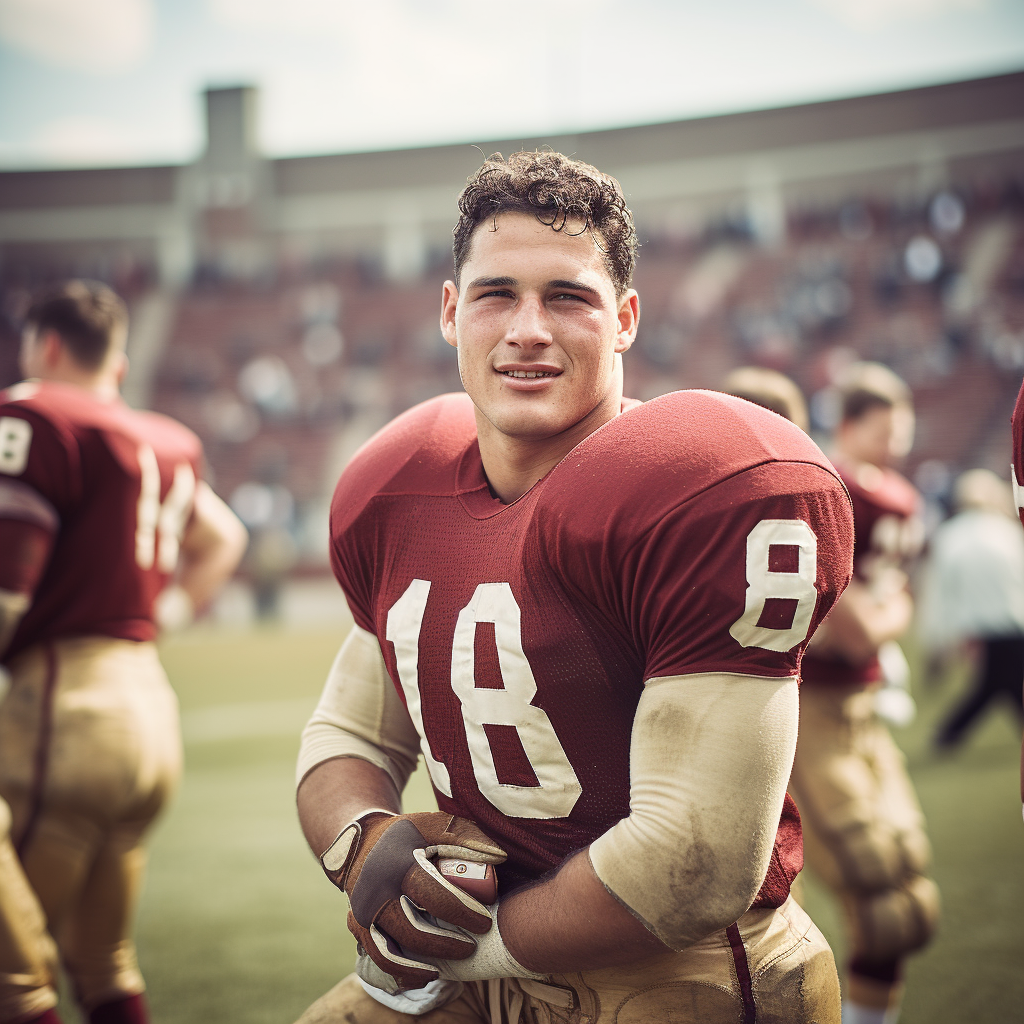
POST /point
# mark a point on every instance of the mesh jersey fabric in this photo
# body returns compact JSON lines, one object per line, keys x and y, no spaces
{"x":626,"y":562}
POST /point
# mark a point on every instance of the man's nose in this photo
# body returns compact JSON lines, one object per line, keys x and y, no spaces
{"x":529,"y":325}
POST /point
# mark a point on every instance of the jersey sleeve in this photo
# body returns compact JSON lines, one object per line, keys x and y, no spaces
{"x":1017,"y":466}
{"x":351,"y":572}
{"x":737,"y":578}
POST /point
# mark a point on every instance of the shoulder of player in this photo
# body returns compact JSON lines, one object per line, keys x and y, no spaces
{"x":42,"y":404}
{"x":681,"y":444}
{"x":418,"y":452}
{"x":162,"y":431}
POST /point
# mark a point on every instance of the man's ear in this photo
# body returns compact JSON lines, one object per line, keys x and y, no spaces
{"x":449,"y":304}
{"x":120,"y":368}
{"x":52,"y":348}
{"x":629,"y":319}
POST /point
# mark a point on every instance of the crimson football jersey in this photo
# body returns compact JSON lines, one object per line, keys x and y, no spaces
{"x":693,"y":533}
{"x":120,"y":484}
{"x":1017,"y":467}
{"x":888,"y":533}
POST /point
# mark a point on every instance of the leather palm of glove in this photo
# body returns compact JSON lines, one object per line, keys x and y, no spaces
{"x":383,"y":863}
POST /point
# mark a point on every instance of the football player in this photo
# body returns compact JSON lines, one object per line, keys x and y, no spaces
{"x":100,"y":507}
{"x":863,"y":826}
{"x":587,"y":615}
{"x":1016,"y":473}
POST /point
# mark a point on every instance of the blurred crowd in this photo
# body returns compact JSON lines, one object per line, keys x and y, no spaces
{"x":285,"y":376}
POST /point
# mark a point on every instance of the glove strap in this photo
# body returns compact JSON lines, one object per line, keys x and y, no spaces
{"x":338,"y":857}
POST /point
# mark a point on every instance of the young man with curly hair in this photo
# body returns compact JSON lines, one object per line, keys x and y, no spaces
{"x":587,"y":614}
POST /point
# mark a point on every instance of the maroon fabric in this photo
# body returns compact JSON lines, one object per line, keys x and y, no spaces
{"x":888,"y":531}
{"x":41,"y":761}
{"x":886,"y":971}
{"x":626,"y":562}
{"x":129,"y":1010}
{"x":49,"y":1017}
{"x":787,"y":858}
{"x":26,"y":548}
{"x":84,"y":460}
{"x":1017,"y":435}
{"x":739,"y":955}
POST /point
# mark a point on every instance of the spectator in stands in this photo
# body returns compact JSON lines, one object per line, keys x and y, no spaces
{"x":973,"y":595}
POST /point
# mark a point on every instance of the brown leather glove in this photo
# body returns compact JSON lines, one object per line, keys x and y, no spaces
{"x":383,"y":862}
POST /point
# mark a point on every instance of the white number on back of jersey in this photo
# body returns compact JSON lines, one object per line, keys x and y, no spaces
{"x":764,"y":584}
{"x":15,"y":438}
{"x":161,"y":522}
{"x":558,"y":788}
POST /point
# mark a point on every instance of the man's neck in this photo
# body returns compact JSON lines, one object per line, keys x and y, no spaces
{"x":100,"y":385}
{"x":514,"y":464}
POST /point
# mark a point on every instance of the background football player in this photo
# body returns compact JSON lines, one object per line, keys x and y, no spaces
{"x":770,"y":389}
{"x":100,"y":506}
{"x":863,"y":827}
{"x":588,"y":616}
{"x":1016,"y":474}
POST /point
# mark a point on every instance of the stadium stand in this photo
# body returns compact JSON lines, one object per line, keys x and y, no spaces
{"x":284,"y":321}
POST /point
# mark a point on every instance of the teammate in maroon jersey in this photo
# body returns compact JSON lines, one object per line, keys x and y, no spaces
{"x":863,"y":827}
{"x":1016,"y":475}
{"x":588,"y":616}
{"x":100,"y":507}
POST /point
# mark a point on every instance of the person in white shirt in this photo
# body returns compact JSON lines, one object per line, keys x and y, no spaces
{"x":973,"y":594}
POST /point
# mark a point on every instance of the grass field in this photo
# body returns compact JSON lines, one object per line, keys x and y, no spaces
{"x":238,"y":924}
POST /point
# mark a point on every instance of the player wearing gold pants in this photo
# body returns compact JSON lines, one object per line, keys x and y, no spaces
{"x":90,"y":751}
{"x":776,"y":957}
{"x":864,"y":831}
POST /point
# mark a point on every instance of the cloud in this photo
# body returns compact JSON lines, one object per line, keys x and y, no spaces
{"x":871,"y":14}
{"x":95,"y":36}
{"x":398,"y":17}
{"x":82,"y":141}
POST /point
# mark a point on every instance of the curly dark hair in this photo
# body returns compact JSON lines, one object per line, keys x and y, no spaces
{"x":559,"y":191}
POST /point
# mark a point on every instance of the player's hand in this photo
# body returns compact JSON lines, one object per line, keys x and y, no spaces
{"x":490,"y":959}
{"x":383,"y":863}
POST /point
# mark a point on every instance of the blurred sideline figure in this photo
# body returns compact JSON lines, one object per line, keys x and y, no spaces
{"x":100,"y":506}
{"x":1016,"y":476}
{"x":864,"y":830}
{"x":973,"y":593}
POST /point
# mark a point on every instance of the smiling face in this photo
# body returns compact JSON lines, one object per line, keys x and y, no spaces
{"x":539,"y":331}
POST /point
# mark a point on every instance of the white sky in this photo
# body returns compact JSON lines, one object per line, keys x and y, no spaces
{"x":118,"y":81}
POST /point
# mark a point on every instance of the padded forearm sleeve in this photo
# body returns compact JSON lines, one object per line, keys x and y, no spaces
{"x":360,"y":715}
{"x":710,"y":758}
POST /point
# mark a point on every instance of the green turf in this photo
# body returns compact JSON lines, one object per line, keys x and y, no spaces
{"x":238,"y":925}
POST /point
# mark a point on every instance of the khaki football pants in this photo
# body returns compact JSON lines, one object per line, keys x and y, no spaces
{"x":864,"y":833}
{"x":90,"y":750}
{"x":775,"y":966}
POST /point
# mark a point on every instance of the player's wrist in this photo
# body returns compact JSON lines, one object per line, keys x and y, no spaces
{"x":338,"y":858}
{"x":491,"y":959}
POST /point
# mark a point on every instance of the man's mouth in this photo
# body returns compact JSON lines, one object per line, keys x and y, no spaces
{"x":528,"y":374}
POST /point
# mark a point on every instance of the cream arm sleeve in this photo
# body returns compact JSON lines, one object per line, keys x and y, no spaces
{"x":360,"y":715}
{"x":710,"y":759}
